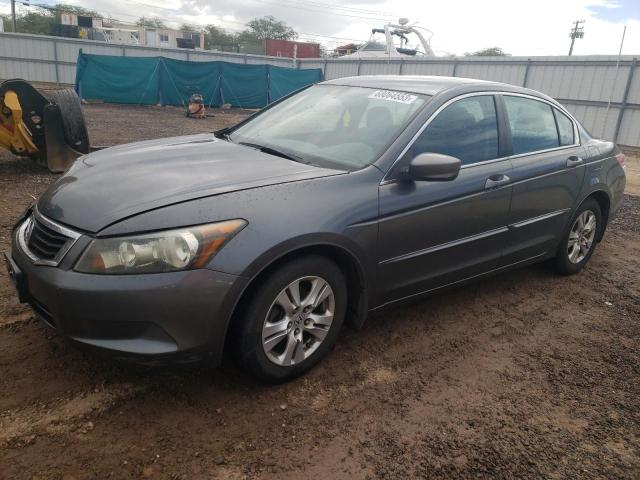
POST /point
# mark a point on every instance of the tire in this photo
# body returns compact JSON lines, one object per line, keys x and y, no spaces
{"x":73,"y":122}
{"x":277,"y":346}
{"x":564,"y":263}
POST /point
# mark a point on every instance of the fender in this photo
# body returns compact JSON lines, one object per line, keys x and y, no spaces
{"x":365,"y":268}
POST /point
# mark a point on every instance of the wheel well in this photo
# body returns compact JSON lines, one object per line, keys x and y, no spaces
{"x":605,"y":203}
{"x":353,"y":274}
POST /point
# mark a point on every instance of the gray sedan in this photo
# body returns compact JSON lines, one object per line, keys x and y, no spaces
{"x":263,"y":239}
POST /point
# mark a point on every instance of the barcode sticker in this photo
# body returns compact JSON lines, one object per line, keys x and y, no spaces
{"x":392,"y":96}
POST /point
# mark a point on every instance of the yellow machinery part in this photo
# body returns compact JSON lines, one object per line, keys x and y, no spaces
{"x":14,"y":134}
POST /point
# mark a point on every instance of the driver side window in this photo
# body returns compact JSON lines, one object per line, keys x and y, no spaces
{"x":467,"y":129}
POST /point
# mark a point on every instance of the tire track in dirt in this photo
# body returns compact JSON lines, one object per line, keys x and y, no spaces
{"x":62,"y":415}
{"x":406,"y":382}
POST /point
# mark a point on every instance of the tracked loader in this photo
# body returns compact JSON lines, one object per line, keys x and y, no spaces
{"x":49,"y":128}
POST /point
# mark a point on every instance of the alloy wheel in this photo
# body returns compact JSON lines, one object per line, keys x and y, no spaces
{"x":581,"y":236}
{"x":298,"y":321}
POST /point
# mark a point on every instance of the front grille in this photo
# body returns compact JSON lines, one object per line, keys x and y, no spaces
{"x":44,"y":242}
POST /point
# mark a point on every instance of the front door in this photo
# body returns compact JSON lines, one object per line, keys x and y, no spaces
{"x":437,"y":233}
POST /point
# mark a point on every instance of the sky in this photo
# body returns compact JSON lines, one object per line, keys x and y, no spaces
{"x":522,"y":28}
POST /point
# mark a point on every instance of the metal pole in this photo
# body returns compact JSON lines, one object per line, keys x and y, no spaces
{"x":526,"y":73}
{"x":615,"y":80}
{"x":13,"y":15}
{"x":268,"y":85}
{"x":576,"y":32}
{"x":161,"y":82}
{"x":625,"y":97}
{"x":55,"y":59}
{"x":573,"y":40}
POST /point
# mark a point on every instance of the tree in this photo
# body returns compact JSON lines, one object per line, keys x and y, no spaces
{"x":267,"y":27}
{"x":66,"y":8}
{"x":187,"y":27}
{"x":41,"y":20}
{"x":6,"y":22}
{"x":39,"y":23}
{"x":215,"y":38}
{"x":151,"y":22}
{"x":488,"y":52}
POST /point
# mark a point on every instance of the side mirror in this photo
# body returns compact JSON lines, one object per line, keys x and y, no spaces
{"x":434,"y":167}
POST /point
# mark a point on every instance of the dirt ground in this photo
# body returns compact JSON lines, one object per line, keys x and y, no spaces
{"x":525,"y":375}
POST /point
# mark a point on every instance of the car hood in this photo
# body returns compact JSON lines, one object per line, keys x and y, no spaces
{"x":115,"y":183}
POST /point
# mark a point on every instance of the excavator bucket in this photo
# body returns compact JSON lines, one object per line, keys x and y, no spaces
{"x":50,"y":129}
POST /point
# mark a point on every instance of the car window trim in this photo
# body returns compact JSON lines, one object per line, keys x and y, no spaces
{"x":555,"y":116}
{"x":388,"y":178}
{"x":511,"y":129}
{"x":574,"y":123}
{"x":437,"y":112}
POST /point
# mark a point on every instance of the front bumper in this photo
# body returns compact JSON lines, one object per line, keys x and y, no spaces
{"x":152,"y":317}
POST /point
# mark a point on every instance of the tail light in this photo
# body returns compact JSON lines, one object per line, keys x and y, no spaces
{"x":621,"y":157}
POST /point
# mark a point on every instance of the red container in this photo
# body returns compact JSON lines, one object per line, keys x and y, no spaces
{"x":286,"y":48}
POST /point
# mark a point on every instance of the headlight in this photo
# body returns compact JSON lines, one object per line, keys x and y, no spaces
{"x":157,"y":252}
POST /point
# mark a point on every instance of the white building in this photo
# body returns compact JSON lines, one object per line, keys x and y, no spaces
{"x":112,"y":31}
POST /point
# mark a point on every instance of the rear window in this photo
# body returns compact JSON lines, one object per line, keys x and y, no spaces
{"x":532,"y":124}
{"x":565,"y":128}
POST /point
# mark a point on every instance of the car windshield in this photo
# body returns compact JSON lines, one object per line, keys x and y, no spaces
{"x":332,"y":126}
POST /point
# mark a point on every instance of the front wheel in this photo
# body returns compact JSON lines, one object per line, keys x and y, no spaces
{"x":579,"y":242}
{"x":293,"y":319}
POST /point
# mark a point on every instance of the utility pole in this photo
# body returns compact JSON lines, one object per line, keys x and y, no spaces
{"x":13,"y":15}
{"x":576,"y":32}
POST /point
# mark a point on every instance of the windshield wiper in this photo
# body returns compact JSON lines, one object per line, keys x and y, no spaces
{"x":223,"y":133}
{"x":276,"y":152}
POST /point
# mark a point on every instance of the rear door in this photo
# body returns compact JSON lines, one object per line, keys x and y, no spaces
{"x":548,"y":170}
{"x":437,"y":233}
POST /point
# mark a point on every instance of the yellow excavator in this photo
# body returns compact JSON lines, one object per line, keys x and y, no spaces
{"x":50,"y":129}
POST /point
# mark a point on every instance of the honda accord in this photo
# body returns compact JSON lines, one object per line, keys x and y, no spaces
{"x":262,"y":239}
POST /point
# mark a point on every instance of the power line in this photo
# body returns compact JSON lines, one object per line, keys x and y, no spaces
{"x":296,"y":3}
{"x":113,"y":16}
{"x":340,"y":7}
{"x":243,"y":24}
{"x":325,"y":12}
{"x":300,"y":33}
{"x":320,"y":8}
{"x":182,"y":20}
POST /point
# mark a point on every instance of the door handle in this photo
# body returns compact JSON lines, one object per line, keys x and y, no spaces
{"x":574,"y":161}
{"x":496,"y":181}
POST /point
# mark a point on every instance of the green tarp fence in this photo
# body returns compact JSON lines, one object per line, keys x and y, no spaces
{"x":166,"y":81}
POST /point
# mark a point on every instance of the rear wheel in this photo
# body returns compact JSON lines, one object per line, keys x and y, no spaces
{"x":73,"y":122}
{"x":580,"y":241}
{"x":293,"y":319}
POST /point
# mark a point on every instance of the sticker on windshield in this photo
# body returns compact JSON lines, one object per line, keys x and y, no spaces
{"x":392,"y":96}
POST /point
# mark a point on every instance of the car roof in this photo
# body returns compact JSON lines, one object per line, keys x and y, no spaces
{"x":421,"y":84}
